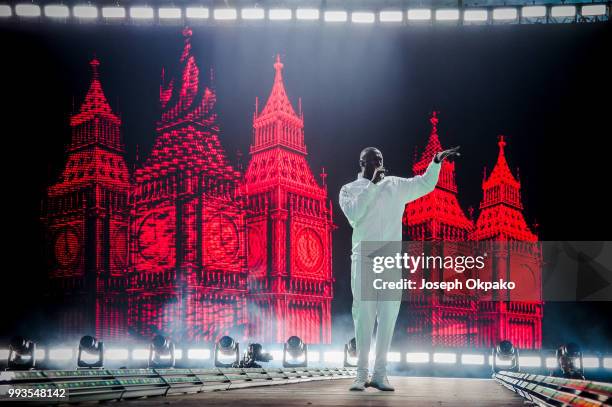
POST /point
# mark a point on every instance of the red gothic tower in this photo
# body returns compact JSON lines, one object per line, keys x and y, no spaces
{"x":188,"y":260}
{"x":289,"y":229}
{"x":516,"y":257}
{"x":86,"y":214}
{"x":433,"y":319}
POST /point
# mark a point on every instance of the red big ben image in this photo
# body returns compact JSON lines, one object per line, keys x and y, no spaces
{"x":188,"y":246}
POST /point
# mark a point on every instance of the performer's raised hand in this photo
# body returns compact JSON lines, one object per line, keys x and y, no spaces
{"x":450,"y":153}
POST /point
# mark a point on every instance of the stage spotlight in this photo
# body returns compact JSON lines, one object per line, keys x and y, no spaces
{"x":22,"y":354}
{"x":161,"y":353}
{"x":506,"y":355}
{"x":569,"y":359}
{"x":350,"y":353}
{"x":91,"y":353}
{"x":298,"y":352}
{"x":252,"y":355}
{"x":226,"y":346}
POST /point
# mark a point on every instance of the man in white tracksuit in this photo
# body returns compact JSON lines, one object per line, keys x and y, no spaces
{"x":374,"y":205}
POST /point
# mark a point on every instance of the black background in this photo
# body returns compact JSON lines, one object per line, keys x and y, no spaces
{"x":543,"y":87}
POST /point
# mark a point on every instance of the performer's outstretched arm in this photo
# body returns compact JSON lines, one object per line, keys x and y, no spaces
{"x":413,"y":188}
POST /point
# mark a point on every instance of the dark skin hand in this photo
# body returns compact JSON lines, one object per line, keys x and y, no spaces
{"x":450,"y":153}
{"x":371,"y":162}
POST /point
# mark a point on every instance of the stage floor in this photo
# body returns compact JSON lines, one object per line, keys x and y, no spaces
{"x":410,"y":391}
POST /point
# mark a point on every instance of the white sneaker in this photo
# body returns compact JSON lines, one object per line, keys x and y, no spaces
{"x":360,"y":382}
{"x":358,"y":385}
{"x":381,"y":384}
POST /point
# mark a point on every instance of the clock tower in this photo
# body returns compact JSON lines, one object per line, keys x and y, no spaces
{"x":289,"y":225}
{"x":188,"y":242}
{"x":86,"y":214}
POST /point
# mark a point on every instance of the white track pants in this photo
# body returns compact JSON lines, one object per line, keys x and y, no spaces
{"x":365,"y":313}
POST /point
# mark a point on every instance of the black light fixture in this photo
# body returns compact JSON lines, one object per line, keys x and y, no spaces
{"x":507,"y":353}
{"x":350,"y":353}
{"x":227,"y":346}
{"x":90,"y":346}
{"x":297,"y":351}
{"x":161,"y":353}
{"x":22,"y":354}
{"x":252,"y":355}
{"x":569,"y":359}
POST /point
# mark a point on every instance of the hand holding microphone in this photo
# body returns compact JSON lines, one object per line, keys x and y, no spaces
{"x":379,"y":174}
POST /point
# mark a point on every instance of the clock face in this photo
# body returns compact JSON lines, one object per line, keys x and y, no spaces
{"x":155,"y":236}
{"x":257,"y":248}
{"x":221,"y":239}
{"x":309,"y":250}
{"x":67,"y":247}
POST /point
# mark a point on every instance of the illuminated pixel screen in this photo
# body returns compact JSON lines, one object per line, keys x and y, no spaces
{"x":184,"y":180}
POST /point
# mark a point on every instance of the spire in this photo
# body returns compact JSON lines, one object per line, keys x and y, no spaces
{"x":501,"y":186}
{"x":186,"y":97}
{"x":501,"y":172}
{"x":501,"y":214}
{"x":433,"y":145}
{"x":278,"y":124}
{"x":278,"y":101}
{"x":95,"y":103}
{"x":437,"y":215}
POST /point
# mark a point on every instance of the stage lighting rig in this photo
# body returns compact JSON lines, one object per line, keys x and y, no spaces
{"x":227,"y":346}
{"x":506,"y":355}
{"x":161,"y":353}
{"x":252,"y":355}
{"x":90,"y":348}
{"x":22,"y":354}
{"x":297,"y":351}
{"x":569,"y":359}
{"x":350,"y":353}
